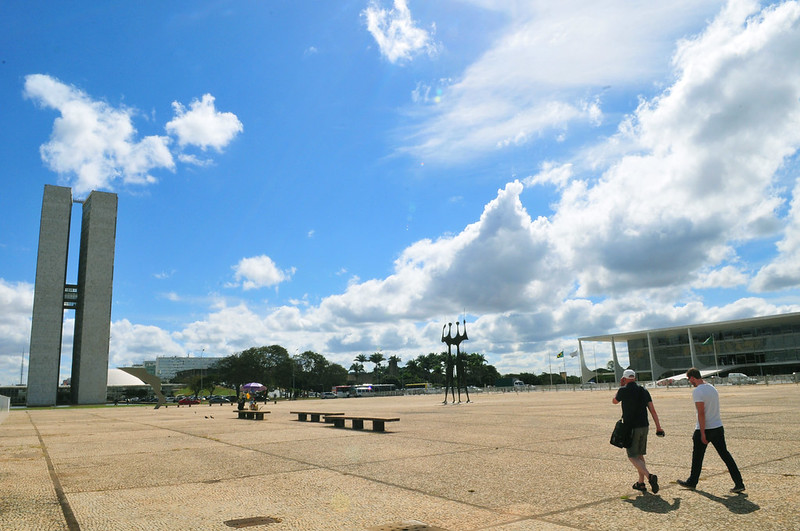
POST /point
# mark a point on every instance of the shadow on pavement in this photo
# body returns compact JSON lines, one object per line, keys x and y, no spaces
{"x":735,"y":503}
{"x":654,"y":503}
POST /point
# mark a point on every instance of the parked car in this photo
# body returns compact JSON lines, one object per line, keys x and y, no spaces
{"x":737,"y":378}
{"x":328,"y":394}
{"x":188,"y":401}
{"x":219,"y":400}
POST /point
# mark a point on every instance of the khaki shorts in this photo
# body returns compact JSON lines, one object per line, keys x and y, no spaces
{"x":639,"y":445}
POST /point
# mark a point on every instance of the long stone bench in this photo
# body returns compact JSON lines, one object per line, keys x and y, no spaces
{"x":251,"y":414}
{"x":378,"y":423}
{"x":315,"y":415}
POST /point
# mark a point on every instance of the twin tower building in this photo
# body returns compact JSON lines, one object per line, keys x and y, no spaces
{"x":90,"y":298}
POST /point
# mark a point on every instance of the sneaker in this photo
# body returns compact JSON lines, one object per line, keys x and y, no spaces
{"x":653,"y":479}
{"x":686,"y":484}
{"x":737,"y":489}
{"x":640,"y":486}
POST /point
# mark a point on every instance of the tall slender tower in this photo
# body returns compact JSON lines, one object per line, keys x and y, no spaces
{"x":93,"y":313}
{"x":48,"y":296}
{"x":90,"y":298}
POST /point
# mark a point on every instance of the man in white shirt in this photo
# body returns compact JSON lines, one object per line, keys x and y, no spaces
{"x":708,"y":430}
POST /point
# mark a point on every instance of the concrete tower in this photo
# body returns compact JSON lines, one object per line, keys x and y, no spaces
{"x":48,"y":296}
{"x":90,"y":298}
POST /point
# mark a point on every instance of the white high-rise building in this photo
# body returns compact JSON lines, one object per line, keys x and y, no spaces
{"x":169,"y":366}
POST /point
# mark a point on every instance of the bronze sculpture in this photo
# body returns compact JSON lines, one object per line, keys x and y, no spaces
{"x":460,"y":377}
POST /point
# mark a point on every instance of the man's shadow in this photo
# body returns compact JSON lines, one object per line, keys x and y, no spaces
{"x":735,"y":503}
{"x":653,"y":503}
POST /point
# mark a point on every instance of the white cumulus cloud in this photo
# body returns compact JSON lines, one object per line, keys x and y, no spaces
{"x":93,"y":144}
{"x":203,"y":125}
{"x":16,"y":299}
{"x":397,"y":34}
{"x":534,"y":80}
{"x":259,"y":272}
{"x":131,"y":343}
{"x":702,"y":176}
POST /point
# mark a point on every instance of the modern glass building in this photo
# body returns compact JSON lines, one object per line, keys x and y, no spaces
{"x":755,"y":346}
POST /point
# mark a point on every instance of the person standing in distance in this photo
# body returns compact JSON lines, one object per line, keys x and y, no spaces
{"x":708,"y":430}
{"x":636,"y":401}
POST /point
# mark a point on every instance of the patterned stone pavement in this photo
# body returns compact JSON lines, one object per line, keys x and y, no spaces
{"x":514,"y":461}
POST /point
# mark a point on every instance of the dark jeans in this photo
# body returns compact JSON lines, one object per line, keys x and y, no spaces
{"x":715,"y":436}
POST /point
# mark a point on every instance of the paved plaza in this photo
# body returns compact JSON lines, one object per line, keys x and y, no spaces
{"x":513,"y":461}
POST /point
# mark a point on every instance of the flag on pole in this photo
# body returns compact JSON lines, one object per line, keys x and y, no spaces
{"x":709,"y":341}
{"x":573,"y":353}
{"x":560,"y":354}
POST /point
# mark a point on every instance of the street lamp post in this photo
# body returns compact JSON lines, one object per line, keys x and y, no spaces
{"x":201,"y":369}
{"x":294,"y":367}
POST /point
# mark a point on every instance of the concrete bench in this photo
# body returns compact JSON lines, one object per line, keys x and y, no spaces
{"x":315,"y":415}
{"x":251,"y":414}
{"x":378,"y":423}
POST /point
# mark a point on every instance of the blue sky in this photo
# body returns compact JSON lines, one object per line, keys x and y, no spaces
{"x":348,"y":176}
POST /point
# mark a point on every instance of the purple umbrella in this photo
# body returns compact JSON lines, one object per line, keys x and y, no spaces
{"x":253,"y":387}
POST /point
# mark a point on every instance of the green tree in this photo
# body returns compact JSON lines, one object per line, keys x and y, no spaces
{"x":317,"y":373}
{"x":192,"y":381}
{"x":412,"y":373}
{"x":529,"y":378}
{"x":361,"y":359}
{"x":478,"y":371}
{"x":393,"y":368}
{"x":198,"y":381}
{"x":278,"y":367}
{"x":376,"y":358}
{"x":432,"y":365}
{"x":334,"y":375}
{"x":557,"y":379}
{"x":238,"y":369}
{"x":356,"y":369}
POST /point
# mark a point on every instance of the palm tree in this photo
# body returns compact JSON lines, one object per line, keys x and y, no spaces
{"x":431,"y":364}
{"x":357,"y":368}
{"x":478,"y":372}
{"x":376,"y":358}
{"x":361,"y":359}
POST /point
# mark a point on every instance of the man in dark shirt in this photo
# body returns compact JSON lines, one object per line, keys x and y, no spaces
{"x":636,"y":401}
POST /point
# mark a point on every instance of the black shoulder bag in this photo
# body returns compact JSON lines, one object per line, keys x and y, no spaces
{"x":622,"y":436}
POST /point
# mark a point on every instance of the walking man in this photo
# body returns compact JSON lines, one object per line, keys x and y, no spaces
{"x":708,"y":430}
{"x":636,"y":401}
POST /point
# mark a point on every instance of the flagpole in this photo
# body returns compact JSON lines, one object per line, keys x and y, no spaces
{"x":714,"y":344}
{"x":550,"y":361}
{"x":559,"y":355}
